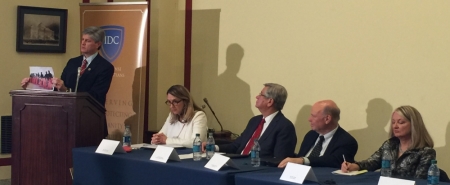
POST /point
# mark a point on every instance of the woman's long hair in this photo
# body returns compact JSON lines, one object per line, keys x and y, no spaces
{"x":420,"y":137}
{"x":189,"y":107}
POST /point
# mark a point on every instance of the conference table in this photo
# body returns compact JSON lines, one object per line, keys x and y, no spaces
{"x":136,"y":168}
{"x":323,"y":175}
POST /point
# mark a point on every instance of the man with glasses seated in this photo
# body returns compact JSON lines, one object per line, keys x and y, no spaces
{"x":184,"y":121}
{"x":276,"y":133}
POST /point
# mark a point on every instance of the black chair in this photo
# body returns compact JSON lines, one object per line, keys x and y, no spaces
{"x":443,"y":177}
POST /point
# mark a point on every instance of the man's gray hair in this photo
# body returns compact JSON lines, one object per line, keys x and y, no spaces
{"x":276,"y":92}
{"x":97,"y":34}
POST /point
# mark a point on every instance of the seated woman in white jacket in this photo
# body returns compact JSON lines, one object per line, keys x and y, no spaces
{"x":184,"y":121}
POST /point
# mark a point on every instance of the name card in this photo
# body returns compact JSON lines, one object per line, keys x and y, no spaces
{"x":164,"y":153}
{"x":108,"y":147}
{"x":218,"y":161}
{"x":298,"y":173}
{"x":394,"y":181}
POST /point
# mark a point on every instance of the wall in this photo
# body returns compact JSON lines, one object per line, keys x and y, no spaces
{"x":15,"y":66}
{"x":368,"y":56}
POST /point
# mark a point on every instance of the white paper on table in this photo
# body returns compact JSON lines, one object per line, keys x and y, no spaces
{"x":218,"y":161}
{"x":298,"y":173}
{"x":394,"y":181}
{"x":191,"y":155}
{"x":152,"y":146}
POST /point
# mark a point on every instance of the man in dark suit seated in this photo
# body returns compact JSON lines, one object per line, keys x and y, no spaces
{"x":327,"y":143}
{"x":276,"y":133}
{"x":96,"y":72}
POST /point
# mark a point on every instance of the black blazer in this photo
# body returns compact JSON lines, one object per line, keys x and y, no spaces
{"x":95,"y":80}
{"x":342,"y":143}
{"x":277,"y":141}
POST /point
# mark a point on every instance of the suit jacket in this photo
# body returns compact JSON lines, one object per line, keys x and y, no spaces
{"x":277,"y":141}
{"x":342,"y":143}
{"x":95,"y":80}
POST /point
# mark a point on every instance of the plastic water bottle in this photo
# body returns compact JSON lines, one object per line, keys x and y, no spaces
{"x":255,"y":154}
{"x":127,"y":136}
{"x":210,"y":146}
{"x":386,"y":163}
{"x":196,"y":148}
{"x":433,"y":173}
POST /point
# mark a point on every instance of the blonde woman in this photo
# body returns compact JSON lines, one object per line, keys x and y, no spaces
{"x":184,"y":121}
{"x":410,"y":146}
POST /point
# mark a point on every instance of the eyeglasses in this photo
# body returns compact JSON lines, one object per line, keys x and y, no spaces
{"x":174,"y":102}
{"x":262,"y":95}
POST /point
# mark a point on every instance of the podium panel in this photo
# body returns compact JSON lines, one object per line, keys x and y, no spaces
{"x":46,"y":126}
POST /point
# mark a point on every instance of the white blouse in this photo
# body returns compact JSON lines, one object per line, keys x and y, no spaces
{"x":184,"y":133}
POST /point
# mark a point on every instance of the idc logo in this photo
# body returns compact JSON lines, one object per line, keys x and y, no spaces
{"x":112,"y":46}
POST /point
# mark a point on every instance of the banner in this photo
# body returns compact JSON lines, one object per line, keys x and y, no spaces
{"x":125,"y":46}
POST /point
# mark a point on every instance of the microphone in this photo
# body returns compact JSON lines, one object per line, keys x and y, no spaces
{"x":223,"y":133}
{"x":78,"y":78}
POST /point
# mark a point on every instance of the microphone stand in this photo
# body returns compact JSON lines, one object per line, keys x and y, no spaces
{"x":78,"y":78}
{"x":222,"y":134}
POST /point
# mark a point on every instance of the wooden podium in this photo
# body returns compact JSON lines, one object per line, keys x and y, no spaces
{"x":46,"y":126}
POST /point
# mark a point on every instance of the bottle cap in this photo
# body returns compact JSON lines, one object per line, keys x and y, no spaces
{"x":197,"y":134}
{"x":433,"y":161}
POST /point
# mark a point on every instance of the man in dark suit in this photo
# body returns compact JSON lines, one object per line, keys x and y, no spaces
{"x":276,"y":133}
{"x":97,"y":75}
{"x":327,"y":143}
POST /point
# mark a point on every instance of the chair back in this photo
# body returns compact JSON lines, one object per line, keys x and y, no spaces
{"x":443,"y":177}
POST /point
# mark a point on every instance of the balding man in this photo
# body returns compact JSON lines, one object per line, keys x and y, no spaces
{"x":326,"y":143}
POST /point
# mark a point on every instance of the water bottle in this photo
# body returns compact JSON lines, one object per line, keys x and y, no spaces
{"x":433,"y":173}
{"x":210,"y":146}
{"x":127,"y":136}
{"x":255,"y":154}
{"x":386,"y":163}
{"x":196,"y":148}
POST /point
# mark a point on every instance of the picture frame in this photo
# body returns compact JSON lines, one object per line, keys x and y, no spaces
{"x":41,"y":29}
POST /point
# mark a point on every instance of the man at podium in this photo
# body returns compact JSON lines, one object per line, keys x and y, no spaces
{"x":93,"y":72}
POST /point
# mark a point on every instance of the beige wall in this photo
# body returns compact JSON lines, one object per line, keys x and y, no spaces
{"x":166,"y":55}
{"x":15,"y":65}
{"x":369,"y":56}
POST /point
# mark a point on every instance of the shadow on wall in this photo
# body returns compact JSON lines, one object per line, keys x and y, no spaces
{"x":231,"y":93}
{"x":136,"y":121}
{"x":372,"y":137}
{"x":302,"y":125}
{"x":442,"y":152}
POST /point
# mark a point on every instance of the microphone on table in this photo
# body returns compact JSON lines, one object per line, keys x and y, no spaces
{"x":78,"y":78}
{"x":224,"y":134}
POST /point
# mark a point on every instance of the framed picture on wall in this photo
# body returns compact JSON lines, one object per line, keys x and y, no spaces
{"x":41,"y":29}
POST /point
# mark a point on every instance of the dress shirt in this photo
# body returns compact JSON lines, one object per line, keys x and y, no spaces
{"x":328,"y":136}
{"x":90,"y":58}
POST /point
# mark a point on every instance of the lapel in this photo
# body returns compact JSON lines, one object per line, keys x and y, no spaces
{"x":271,"y":127}
{"x":309,"y":143}
{"x":251,"y":127}
{"x":333,"y":141}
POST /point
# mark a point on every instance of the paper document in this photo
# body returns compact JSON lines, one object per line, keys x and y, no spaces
{"x":40,"y":78}
{"x":190,"y":156}
{"x":339,"y":172}
{"x":145,"y":145}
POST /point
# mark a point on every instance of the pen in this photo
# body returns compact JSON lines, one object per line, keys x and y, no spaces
{"x":345,"y":161}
